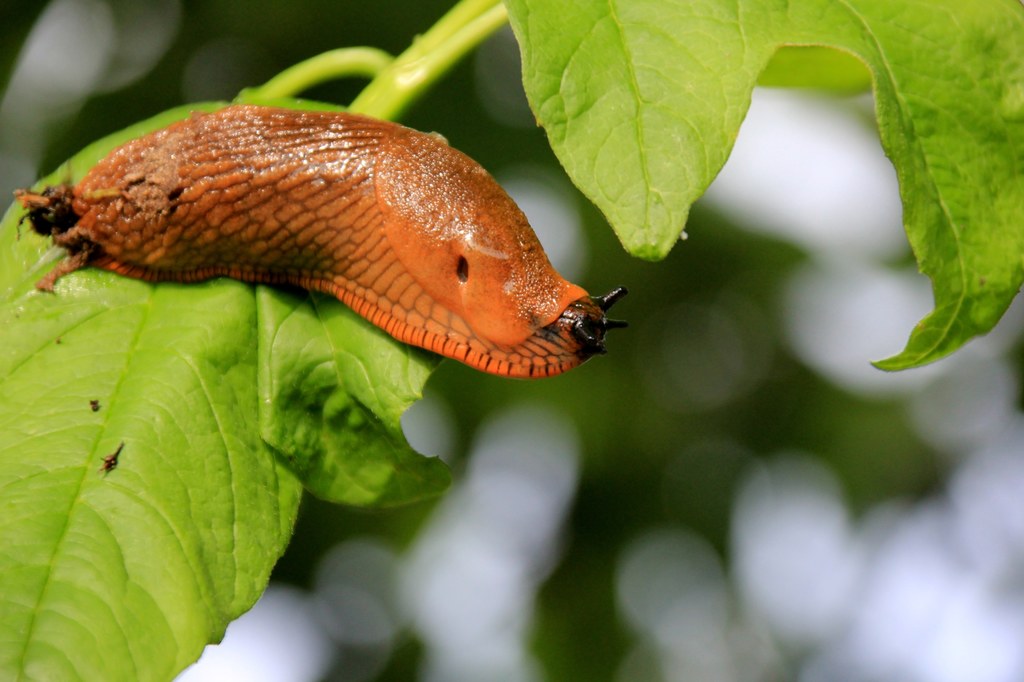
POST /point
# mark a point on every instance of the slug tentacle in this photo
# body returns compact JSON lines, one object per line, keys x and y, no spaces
{"x":608,"y":300}
{"x":408,"y":232}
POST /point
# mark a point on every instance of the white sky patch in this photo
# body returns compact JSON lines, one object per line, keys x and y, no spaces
{"x":278,"y":640}
{"x":841,"y":316}
{"x":809,"y":171}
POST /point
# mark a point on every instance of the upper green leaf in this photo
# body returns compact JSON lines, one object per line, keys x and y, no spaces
{"x":642,"y":101}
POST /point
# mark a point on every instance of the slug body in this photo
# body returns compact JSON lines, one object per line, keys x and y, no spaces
{"x":411,"y":234}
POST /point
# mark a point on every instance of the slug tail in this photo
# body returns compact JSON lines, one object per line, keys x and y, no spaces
{"x":49,"y":212}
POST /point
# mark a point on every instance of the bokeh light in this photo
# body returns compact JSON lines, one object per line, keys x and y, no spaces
{"x":841,"y":316}
{"x":795,"y":559}
{"x":704,"y":355}
{"x":278,"y":640}
{"x":470,"y":579}
{"x":76,"y":49}
{"x":356,"y":602}
{"x":809,"y":170}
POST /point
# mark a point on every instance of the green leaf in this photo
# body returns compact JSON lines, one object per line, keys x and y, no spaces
{"x":226,"y":398}
{"x":128,"y":573}
{"x":642,"y":101}
{"x":332,"y":391}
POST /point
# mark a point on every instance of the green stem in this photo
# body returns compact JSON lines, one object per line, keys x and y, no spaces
{"x":396,"y":81}
{"x":429,"y":57}
{"x":341,"y":63}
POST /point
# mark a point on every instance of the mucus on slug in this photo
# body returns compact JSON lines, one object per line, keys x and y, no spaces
{"x":347,"y":205}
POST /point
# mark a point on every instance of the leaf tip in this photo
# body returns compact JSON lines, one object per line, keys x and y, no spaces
{"x":894,"y":364}
{"x":648,"y":252}
{"x":912,"y":357}
{"x":656,"y":249}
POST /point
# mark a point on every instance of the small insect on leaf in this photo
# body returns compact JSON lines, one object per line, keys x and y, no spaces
{"x":110,"y":461}
{"x":94,"y":405}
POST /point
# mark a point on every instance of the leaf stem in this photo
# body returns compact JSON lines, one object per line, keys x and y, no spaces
{"x":340,"y":63}
{"x":397,"y":81}
{"x":429,"y":57}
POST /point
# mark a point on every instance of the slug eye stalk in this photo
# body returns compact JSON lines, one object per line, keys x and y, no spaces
{"x":608,"y":300}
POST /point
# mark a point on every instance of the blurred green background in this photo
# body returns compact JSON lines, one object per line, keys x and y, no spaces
{"x":732,"y":493}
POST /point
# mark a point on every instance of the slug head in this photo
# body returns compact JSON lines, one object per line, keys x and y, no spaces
{"x":473,"y":252}
{"x":464,"y":240}
{"x":581,"y":328}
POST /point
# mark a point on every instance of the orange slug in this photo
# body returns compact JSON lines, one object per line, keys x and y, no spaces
{"x":411,"y":234}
